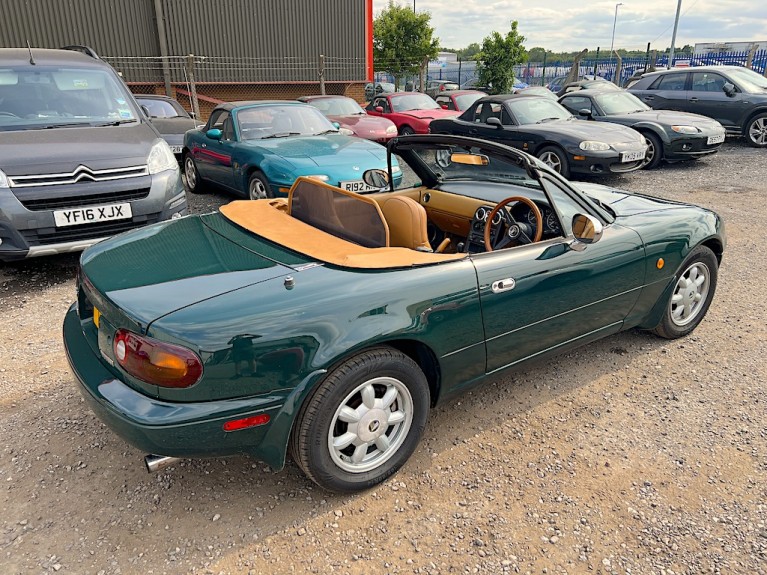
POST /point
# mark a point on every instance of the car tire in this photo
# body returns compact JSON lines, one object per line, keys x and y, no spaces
{"x":556,"y":159}
{"x":406,"y":131}
{"x":692,"y":295}
{"x":258,"y":187}
{"x":654,"y":151}
{"x":756,"y":131}
{"x":194,"y":183}
{"x":326,"y":442}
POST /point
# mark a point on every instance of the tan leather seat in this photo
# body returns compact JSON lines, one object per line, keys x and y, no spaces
{"x":406,"y":219}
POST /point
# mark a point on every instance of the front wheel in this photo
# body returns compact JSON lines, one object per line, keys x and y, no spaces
{"x":363,"y":421}
{"x":654,"y":152}
{"x":406,"y":131}
{"x":555,"y":159}
{"x":258,"y":187}
{"x":756,"y":131}
{"x":692,"y":294}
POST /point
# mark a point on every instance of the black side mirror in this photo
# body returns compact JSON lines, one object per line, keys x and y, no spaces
{"x":729,"y":89}
{"x":493,"y":121}
{"x":585,"y":112}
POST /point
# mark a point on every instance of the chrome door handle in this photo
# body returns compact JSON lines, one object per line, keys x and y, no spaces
{"x":693,"y":99}
{"x":203,"y":145}
{"x":503,"y":285}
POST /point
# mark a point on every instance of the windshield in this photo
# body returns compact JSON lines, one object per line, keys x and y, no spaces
{"x":536,"y":110}
{"x":413,"y":102}
{"x":749,"y":81}
{"x":465,"y":100}
{"x":337,"y":106}
{"x":457,"y":162}
{"x":161,"y":108}
{"x":37,"y":97}
{"x":620,"y":103}
{"x":261,"y":122}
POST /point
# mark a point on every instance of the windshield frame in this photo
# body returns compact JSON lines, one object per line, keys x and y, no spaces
{"x":636,"y":102}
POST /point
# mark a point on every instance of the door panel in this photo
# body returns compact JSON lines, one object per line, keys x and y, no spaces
{"x":559,"y":294}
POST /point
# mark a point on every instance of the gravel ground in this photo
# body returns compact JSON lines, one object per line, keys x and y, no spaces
{"x":632,"y":455}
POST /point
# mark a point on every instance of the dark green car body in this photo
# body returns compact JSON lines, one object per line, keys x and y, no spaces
{"x":205,"y":283}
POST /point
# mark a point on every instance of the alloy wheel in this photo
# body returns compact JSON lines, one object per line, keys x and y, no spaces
{"x":690,"y":293}
{"x":552,"y":161}
{"x":757,"y":131}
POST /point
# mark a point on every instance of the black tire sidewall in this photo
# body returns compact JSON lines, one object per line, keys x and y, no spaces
{"x":259,"y":176}
{"x":406,"y":131}
{"x":667,"y":328}
{"x":747,"y":132}
{"x":658,"y":145}
{"x":309,"y":445}
{"x":565,"y":173}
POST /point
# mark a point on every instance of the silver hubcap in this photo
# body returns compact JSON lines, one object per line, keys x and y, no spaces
{"x":650,"y":154}
{"x":256,"y":189}
{"x":370,"y":425}
{"x":552,"y":161}
{"x":690,"y":293}
{"x":189,"y":172}
{"x":758,"y":131}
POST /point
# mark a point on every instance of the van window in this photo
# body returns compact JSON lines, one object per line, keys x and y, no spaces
{"x":36,"y":97}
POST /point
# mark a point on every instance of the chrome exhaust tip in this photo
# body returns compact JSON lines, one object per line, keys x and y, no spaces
{"x":155,"y":463}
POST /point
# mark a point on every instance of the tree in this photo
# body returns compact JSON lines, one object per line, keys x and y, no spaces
{"x":402,"y":41}
{"x":470,"y":51}
{"x":499,"y":55}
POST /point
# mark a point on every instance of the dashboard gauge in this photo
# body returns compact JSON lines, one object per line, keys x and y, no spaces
{"x":551,"y":222}
{"x":531,"y":217}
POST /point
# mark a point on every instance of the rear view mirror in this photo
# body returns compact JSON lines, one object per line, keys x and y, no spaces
{"x":729,"y":89}
{"x":471,"y":159}
{"x":376,"y":178}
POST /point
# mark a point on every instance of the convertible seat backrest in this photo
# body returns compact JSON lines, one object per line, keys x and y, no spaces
{"x":406,"y":219}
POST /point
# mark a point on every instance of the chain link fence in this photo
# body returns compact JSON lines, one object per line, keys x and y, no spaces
{"x":199,"y":83}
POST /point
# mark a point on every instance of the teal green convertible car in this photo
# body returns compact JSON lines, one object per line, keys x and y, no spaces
{"x":258,"y":149}
{"x":327,"y":324}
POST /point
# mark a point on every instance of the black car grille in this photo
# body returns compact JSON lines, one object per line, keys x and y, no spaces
{"x":77,"y":201}
{"x":46,"y":236}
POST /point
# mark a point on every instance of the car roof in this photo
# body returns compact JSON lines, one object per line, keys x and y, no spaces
{"x":47,"y":57}
{"x":459,"y":92}
{"x":593,"y":92}
{"x":694,"y":69}
{"x":500,"y":98}
{"x":322,"y":97}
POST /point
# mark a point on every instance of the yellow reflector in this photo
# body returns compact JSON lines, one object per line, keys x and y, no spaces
{"x":284,"y":190}
{"x":96,"y":316}
{"x":579,"y":157}
{"x":660,"y":263}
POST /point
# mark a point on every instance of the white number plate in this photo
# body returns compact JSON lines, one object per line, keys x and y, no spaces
{"x":176,"y":149}
{"x":356,"y":186}
{"x":632,"y":156}
{"x":92,"y":214}
{"x":715,"y":139}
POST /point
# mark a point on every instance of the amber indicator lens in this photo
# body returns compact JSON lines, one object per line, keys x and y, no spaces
{"x":156,"y":362}
{"x":660,"y":263}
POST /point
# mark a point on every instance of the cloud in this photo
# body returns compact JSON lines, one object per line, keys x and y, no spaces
{"x":564,"y":25}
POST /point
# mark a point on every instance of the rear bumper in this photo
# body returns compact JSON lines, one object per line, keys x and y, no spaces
{"x":171,"y":428}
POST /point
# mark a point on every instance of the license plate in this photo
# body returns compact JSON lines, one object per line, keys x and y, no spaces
{"x":632,"y":156}
{"x":92,"y":214}
{"x":176,"y":149}
{"x":715,"y":139}
{"x":96,"y":316}
{"x":356,"y":186}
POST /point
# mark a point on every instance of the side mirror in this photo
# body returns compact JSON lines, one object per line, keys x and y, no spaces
{"x":376,"y":178}
{"x":379,"y":109}
{"x":584,"y":112}
{"x":443,"y":106}
{"x":587,"y":230}
{"x":193,"y":115}
{"x":729,"y":89}
{"x":214,"y":134}
{"x":493,"y":121}
{"x":336,"y":125}
{"x":146,"y":111}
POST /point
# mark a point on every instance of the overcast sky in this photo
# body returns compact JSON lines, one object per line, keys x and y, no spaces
{"x":568,"y":25}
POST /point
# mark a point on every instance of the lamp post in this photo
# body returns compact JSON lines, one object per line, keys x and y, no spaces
{"x":612,"y":40}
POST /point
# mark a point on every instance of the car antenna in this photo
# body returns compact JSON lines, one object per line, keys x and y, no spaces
{"x":31,"y":57}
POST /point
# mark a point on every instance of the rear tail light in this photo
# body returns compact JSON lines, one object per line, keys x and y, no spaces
{"x":156,"y":362}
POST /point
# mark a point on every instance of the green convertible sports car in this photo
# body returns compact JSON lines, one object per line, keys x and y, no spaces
{"x":326,"y":325}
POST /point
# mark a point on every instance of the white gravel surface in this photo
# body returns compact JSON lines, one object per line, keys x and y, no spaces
{"x":634,"y":455}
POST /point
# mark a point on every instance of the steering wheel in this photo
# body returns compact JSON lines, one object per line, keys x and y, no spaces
{"x":9,"y":114}
{"x":514,"y":232}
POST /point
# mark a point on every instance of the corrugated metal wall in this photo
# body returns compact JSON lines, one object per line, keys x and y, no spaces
{"x":242,"y":40}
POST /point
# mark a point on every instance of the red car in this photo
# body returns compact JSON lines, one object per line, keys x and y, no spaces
{"x":350,"y":116}
{"x":411,"y":112}
{"x":458,"y":99}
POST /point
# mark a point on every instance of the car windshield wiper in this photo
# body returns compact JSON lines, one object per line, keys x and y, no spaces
{"x":115,"y":123}
{"x":548,"y":119}
{"x":327,"y":132}
{"x":61,"y":125}
{"x":281,"y":135}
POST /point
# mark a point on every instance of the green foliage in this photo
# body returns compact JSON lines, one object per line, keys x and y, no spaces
{"x":499,"y":55}
{"x":403,"y":40}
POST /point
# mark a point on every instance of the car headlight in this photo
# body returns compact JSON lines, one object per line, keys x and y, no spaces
{"x":345,"y":132}
{"x":161,"y":158}
{"x":391,"y":129}
{"x":320,"y":177}
{"x":594,"y":146}
{"x":685,"y":129}
{"x":4,"y":183}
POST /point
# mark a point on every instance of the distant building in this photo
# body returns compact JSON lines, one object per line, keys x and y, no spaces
{"x":723,"y":47}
